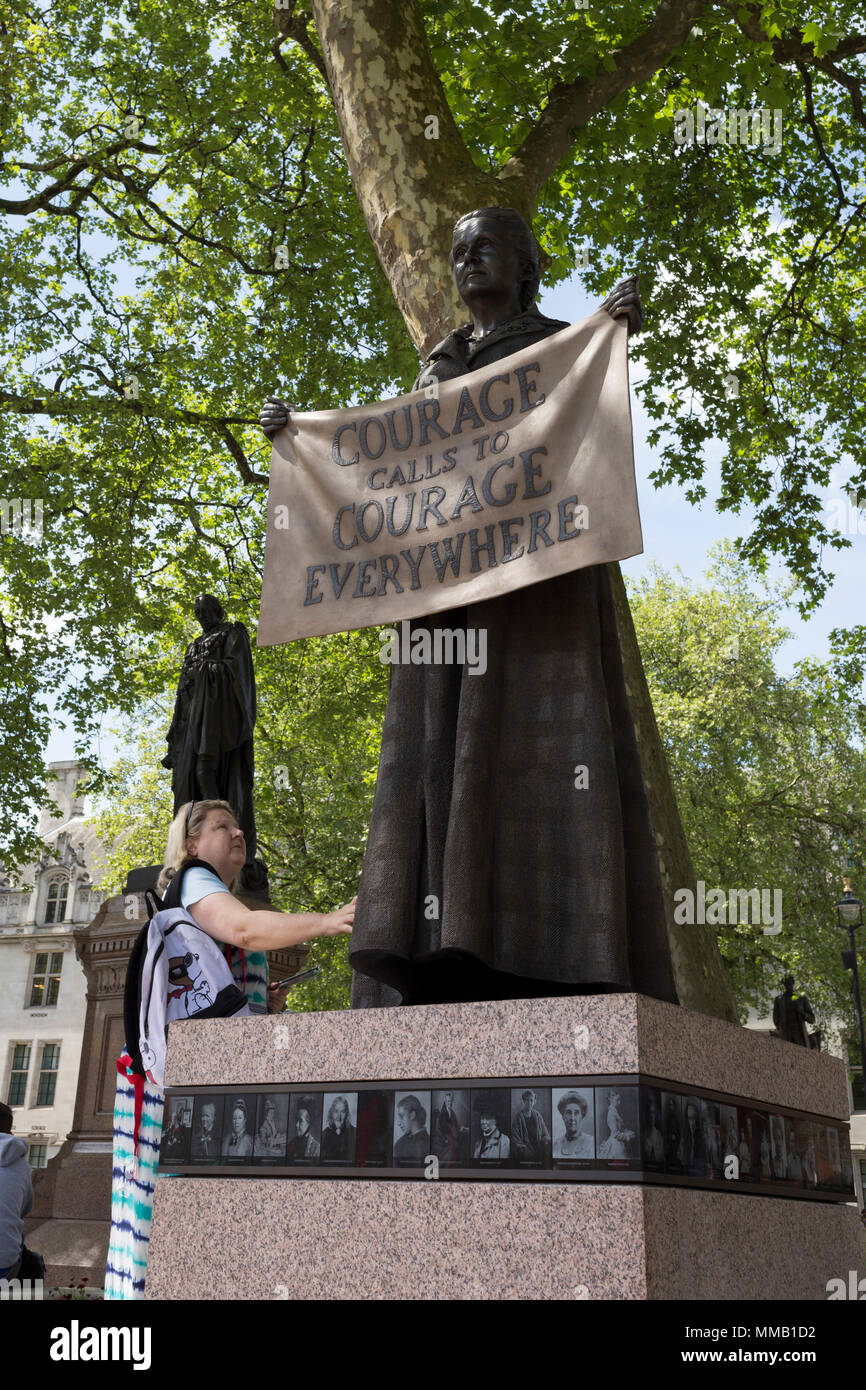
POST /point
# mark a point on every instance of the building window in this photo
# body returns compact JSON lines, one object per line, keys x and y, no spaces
{"x":55,"y":906}
{"x":18,"y":1076}
{"x":38,"y":1155}
{"x":48,"y":1073}
{"x":46,"y":979}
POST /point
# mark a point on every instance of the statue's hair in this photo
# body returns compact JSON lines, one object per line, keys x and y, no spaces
{"x":213,"y":603}
{"x":521,"y":236}
{"x":179,"y":836}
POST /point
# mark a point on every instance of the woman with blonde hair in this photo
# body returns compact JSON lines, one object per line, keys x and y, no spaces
{"x":204,"y":856}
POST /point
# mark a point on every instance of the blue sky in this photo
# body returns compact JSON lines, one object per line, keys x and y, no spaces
{"x":675,"y":534}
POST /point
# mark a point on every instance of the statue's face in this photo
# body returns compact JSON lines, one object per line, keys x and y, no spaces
{"x":207,"y":611}
{"x":483,"y":260}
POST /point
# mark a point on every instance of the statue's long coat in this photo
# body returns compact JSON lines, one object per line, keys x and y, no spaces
{"x":214,"y":717}
{"x":539,"y":887}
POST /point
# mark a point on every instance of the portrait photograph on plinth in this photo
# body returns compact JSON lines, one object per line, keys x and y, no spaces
{"x":339,"y":1126}
{"x":412,"y":1144}
{"x":272,"y":1123}
{"x":652,"y":1140}
{"x":711,"y":1124}
{"x":531,"y":1136}
{"x":176,"y":1130}
{"x":778,"y":1149}
{"x":616,"y":1126}
{"x":375,"y":1129}
{"x":207,"y":1129}
{"x":692,"y":1154}
{"x":449,"y":1130}
{"x":730,"y":1143}
{"x":489,"y":1139}
{"x":761,"y":1132}
{"x":672,"y":1126}
{"x":238,"y":1128}
{"x":305,"y":1128}
{"x":573,"y":1127}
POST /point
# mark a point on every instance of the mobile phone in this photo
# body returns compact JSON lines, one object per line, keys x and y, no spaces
{"x":296,"y":979}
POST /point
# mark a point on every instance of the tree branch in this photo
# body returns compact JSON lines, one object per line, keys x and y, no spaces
{"x":96,"y":405}
{"x":573,"y":104}
{"x":295,"y":27}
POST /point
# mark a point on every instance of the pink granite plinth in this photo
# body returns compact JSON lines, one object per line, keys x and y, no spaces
{"x":593,"y":1034}
{"x":386,"y":1238}
{"x":293,"y":1238}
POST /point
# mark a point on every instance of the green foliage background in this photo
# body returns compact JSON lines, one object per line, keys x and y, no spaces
{"x":156,"y":156}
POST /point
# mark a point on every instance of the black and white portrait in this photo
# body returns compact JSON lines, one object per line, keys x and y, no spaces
{"x":778,"y":1149}
{"x":531,"y":1137}
{"x":616,"y":1125}
{"x":305,"y":1128}
{"x":652,"y":1134}
{"x":835,"y":1154}
{"x":490,"y":1139}
{"x":730,"y":1134}
{"x":672,"y":1128}
{"x":375,"y":1129}
{"x":573,"y":1125}
{"x":809,"y":1149}
{"x":238,"y":1128}
{"x":339,"y":1126}
{"x":711,"y":1124}
{"x":176,"y":1130}
{"x":761,"y":1135}
{"x":207,"y":1129}
{"x":272,"y":1122}
{"x":411,"y":1128}
{"x":748,"y":1146}
{"x":449,"y":1129}
{"x":693,"y":1149}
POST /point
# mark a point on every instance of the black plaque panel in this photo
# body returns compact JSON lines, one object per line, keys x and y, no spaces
{"x":568,"y":1128}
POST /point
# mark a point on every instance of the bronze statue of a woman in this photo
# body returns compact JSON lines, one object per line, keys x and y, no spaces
{"x":491,"y":870}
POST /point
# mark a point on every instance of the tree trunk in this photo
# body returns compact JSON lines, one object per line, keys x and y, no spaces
{"x":411,"y":189}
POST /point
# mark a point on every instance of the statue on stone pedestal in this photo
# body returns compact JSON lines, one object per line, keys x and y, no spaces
{"x":488,"y":874}
{"x":791,"y":1015}
{"x":210,"y":742}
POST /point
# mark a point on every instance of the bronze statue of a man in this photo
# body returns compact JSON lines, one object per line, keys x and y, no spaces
{"x":791,"y":1015}
{"x":210,"y":742}
{"x":489,"y":872}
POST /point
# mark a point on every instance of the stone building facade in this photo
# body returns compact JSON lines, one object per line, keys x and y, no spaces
{"x":42,"y":1002}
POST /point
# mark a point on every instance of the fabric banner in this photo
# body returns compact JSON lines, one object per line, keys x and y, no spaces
{"x":460,"y":492}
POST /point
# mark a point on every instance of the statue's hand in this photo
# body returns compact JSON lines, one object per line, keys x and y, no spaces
{"x":625,"y":301}
{"x":274,"y":416}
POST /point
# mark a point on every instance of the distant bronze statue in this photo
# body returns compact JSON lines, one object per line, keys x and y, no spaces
{"x":791,"y":1015}
{"x":487,"y":874}
{"x":210,"y":742}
